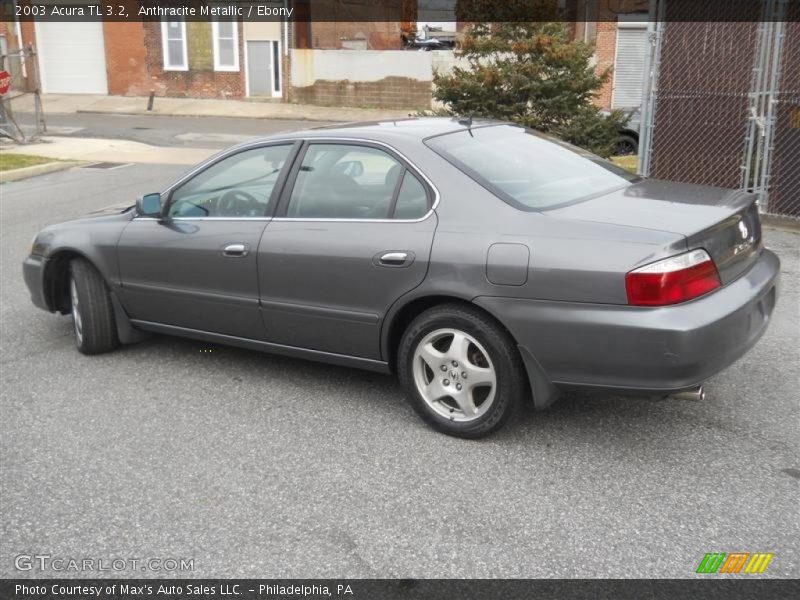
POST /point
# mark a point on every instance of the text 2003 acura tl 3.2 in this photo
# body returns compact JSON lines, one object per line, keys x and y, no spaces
{"x":481,"y":262}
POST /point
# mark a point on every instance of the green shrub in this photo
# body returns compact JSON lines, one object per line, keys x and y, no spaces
{"x":534,"y":75}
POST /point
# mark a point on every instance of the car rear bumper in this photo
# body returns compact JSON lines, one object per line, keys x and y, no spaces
{"x":657,"y":350}
{"x":33,"y":270}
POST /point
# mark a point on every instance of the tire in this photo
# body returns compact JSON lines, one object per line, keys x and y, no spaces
{"x":627,"y":145}
{"x":92,"y":309}
{"x":473,"y":349}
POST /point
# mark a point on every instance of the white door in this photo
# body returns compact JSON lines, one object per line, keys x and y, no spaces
{"x":72,"y":57}
{"x":263,"y":68}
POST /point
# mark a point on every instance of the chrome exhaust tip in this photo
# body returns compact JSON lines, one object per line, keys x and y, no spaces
{"x":695,"y":394}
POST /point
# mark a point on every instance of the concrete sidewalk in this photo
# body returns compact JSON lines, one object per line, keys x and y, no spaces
{"x":119,"y":151}
{"x":190,"y":107}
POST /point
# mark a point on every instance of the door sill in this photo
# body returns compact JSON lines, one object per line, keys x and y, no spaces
{"x":343,"y":360}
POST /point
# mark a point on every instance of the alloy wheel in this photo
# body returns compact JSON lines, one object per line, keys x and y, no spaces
{"x":454,"y":375}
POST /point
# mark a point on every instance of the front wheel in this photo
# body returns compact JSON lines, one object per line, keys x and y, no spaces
{"x":92,"y":309}
{"x":461,"y":371}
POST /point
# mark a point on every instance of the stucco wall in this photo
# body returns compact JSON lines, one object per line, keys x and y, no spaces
{"x":380,"y":78}
{"x":309,"y":66}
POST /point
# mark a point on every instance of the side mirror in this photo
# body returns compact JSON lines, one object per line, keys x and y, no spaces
{"x":149,"y":205}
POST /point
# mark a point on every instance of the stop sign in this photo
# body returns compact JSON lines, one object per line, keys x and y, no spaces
{"x":5,"y":82}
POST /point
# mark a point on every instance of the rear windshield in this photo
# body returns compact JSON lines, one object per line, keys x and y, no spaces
{"x":527,"y":169}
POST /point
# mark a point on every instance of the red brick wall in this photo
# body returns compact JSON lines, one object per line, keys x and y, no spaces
{"x":134,"y":65}
{"x":126,"y":59}
{"x":195,"y":83}
{"x":606,"y":40}
{"x":28,"y":33}
{"x":379,"y":35}
{"x":596,"y":24}
{"x":605,"y":52}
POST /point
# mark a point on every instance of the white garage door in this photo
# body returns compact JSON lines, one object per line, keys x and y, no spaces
{"x":72,"y":57}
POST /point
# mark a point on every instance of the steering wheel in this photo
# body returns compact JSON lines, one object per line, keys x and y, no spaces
{"x":236,"y":203}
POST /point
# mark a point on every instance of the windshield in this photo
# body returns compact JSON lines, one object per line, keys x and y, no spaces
{"x":527,"y":169}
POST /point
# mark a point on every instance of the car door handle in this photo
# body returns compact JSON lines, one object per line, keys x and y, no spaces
{"x":236,"y":250}
{"x":395,"y":259}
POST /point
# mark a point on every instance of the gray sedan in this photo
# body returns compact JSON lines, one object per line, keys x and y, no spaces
{"x":481,"y":262}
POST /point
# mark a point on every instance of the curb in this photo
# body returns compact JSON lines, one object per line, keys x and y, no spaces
{"x":333,"y":114}
{"x":781,"y":221}
{"x":36,"y":170}
{"x":199,"y":116}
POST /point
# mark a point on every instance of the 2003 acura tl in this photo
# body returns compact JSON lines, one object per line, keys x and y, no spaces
{"x":481,"y":262}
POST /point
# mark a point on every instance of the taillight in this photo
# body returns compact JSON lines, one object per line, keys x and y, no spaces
{"x":672,"y":280}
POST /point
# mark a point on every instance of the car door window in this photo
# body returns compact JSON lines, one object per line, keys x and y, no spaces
{"x":340,"y":181}
{"x":239,"y":186}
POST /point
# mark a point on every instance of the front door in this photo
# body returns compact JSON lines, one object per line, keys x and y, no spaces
{"x":196,"y":267}
{"x":263,"y":68}
{"x":352,"y":234}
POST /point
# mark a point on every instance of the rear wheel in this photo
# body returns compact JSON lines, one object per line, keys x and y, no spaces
{"x":92,"y":309}
{"x":462,"y":373}
{"x":626,"y":145}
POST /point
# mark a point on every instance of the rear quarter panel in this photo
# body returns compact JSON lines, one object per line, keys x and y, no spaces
{"x":575,"y":261}
{"x":570,"y":261}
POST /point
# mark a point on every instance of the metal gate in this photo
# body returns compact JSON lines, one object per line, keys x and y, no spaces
{"x":21,"y":112}
{"x":722,"y":98}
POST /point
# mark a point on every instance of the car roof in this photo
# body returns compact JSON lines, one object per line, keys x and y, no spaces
{"x":418,"y":128}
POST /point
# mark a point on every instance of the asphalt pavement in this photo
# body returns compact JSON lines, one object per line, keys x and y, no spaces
{"x":163,"y":130}
{"x":260,"y":466}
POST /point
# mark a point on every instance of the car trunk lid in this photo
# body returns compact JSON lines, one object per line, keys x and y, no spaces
{"x":723,"y":222}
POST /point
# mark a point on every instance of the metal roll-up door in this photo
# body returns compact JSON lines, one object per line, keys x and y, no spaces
{"x":629,"y":64}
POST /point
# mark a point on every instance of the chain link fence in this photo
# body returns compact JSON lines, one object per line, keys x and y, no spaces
{"x":724,"y":99}
{"x":21,"y":113}
{"x":784,"y":193}
{"x":702,"y":101}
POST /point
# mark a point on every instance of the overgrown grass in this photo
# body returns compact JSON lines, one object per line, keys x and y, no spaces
{"x":10,"y":161}
{"x":626,"y":162}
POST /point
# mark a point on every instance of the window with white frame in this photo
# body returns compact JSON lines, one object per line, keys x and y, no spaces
{"x":226,"y":45}
{"x":173,"y":40}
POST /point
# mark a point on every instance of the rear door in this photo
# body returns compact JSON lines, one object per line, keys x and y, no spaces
{"x":352,"y":233}
{"x":196,"y":267}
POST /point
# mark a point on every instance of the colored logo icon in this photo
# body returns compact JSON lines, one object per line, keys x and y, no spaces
{"x":734,"y":562}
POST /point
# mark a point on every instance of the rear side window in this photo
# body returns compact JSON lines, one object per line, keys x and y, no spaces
{"x":412,"y":201}
{"x":344,"y":181}
{"x":526,"y":169}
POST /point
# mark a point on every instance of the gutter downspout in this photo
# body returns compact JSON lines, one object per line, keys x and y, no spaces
{"x":20,"y":43}
{"x":286,"y":29}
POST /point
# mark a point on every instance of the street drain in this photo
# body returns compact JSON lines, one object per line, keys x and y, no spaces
{"x":105,"y":165}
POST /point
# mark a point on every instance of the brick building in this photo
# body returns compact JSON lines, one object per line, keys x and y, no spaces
{"x":618,"y":31}
{"x":313,"y":59}
{"x":178,"y":59}
{"x":225,"y":59}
